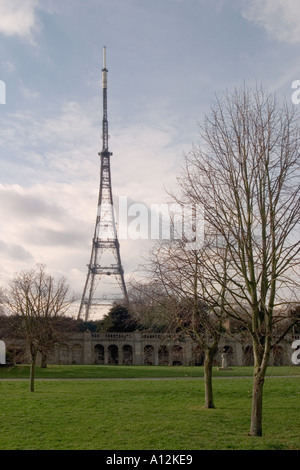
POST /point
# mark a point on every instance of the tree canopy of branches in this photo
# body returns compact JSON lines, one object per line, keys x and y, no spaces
{"x":38,"y":299}
{"x":148,"y":305}
{"x":178,"y":273}
{"x":245,"y":176}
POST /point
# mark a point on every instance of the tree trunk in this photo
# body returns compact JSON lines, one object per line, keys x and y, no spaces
{"x":32,"y":371}
{"x":44,"y":361}
{"x":257,"y":401}
{"x":208,"y":363}
{"x":261,"y":360}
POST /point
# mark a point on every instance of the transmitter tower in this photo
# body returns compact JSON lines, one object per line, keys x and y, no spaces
{"x":105,"y":278}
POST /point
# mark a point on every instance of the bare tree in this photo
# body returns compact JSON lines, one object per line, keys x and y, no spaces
{"x":148,"y":305}
{"x":245,"y":175}
{"x":38,"y":299}
{"x":180,"y":298}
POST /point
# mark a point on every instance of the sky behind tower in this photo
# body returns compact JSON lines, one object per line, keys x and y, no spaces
{"x":167,"y":59}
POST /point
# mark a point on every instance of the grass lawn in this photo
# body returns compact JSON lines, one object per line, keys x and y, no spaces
{"x":95,"y":371}
{"x":144,"y":414}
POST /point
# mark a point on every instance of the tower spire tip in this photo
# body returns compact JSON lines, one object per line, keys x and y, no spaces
{"x":104,"y":57}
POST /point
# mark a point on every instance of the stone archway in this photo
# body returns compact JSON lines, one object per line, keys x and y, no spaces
{"x":149,"y":355}
{"x":198,"y":356}
{"x":127,"y":354}
{"x":228,"y":350}
{"x":248,"y":356}
{"x":113,"y":354}
{"x":163,"y":355}
{"x":177,"y":355}
{"x":99,"y":354}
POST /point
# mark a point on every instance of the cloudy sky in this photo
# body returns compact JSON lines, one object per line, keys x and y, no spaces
{"x":166,"y":59}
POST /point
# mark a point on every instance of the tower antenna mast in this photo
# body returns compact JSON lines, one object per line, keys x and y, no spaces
{"x":105,"y":281}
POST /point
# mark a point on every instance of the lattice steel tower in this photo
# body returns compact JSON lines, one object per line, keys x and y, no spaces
{"x":105,"y":279}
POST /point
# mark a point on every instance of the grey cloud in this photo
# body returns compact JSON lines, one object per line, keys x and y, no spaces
{"x":26,"y":205}
{"x":280,"y":18}
{"x":19,"y":18}
{"x":15,"y":252}
{"x":42,"y":236}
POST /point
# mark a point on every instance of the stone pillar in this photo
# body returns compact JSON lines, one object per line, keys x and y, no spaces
{"x":188,"y":354}
{"x":87,"y":348}
{"x":138,"y":353}
{"x":105,"y":346}
{"x":238,"y":354}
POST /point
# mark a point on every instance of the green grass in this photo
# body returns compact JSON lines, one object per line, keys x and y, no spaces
{"x":95,"y":371}
{"x":144,"y":414}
